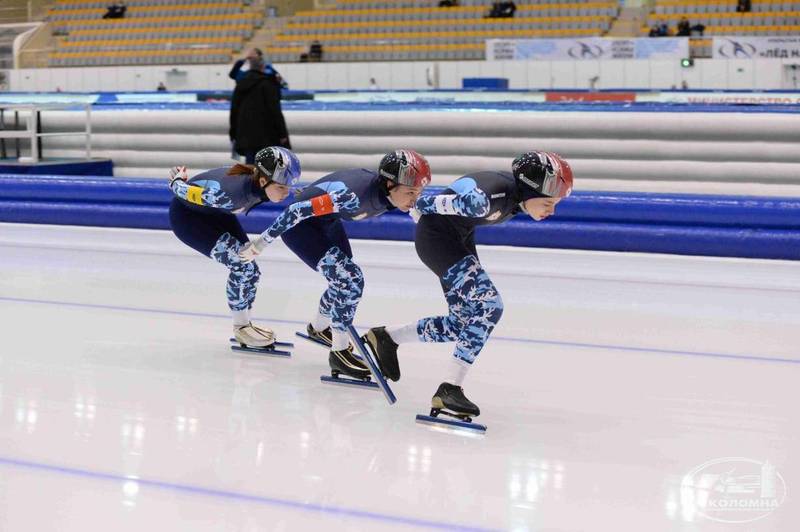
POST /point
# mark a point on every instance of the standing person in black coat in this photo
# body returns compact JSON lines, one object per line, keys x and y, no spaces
{"x":256,"y":119}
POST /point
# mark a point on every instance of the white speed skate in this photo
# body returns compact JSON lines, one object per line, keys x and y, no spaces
{"x":257,"y":341}
{"x":251,"y":336}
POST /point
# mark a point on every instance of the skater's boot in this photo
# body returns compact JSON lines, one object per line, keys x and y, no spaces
{"x":385,"y":352}
{"x":325,"y":335}
{"x":344,"y":361}
{"x":450,"y":399}
{"x":252,"y":336}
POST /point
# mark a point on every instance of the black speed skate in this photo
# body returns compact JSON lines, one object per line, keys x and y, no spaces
{"x":345,"y":362}
{"x":385,"y":351}
{"x":325,"y":336}
{"x":449,"y":400}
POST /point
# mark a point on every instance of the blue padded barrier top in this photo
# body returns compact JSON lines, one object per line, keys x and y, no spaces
{"x":736,"y":226}
{"x":648,"y":107}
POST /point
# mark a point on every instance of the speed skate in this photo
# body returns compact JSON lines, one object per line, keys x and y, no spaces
{"x":450,"y":401}
{"x":277,"y":349}
{"x":377,"y":382}
{"x":368,"y":357}
{"x":336,"y":376}
{"x":458,"y":421}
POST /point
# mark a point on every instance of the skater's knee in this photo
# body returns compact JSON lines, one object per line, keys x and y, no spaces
{"x":495,"y":307}
{"x":356,"y":279}
{"x":226,"y":251}
{"x":252,"y":271}
{"x":350,"y":278}
{"x":490,"y":302}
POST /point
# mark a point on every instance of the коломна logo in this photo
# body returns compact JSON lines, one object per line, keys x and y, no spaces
{"x":733,"y":490}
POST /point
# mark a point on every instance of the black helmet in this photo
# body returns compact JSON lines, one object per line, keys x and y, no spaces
{"x":405,"y":167}
{"x":541,"y":174}
{"x":279,"y":165}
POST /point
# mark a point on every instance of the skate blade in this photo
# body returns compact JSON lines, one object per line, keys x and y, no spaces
{"x":346,"y":381}
{"x":288,"y":345}
{"x":312,"y":340}
{"x":373,"y":366}
{"x":452,"y":424}
{"x":264,"y":351}
{"x":320,"y":343}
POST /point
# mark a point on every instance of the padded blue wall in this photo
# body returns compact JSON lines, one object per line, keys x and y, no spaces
{"x":729,"y":226}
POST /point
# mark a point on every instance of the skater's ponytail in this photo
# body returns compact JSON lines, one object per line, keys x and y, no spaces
{"x":245,"y":169}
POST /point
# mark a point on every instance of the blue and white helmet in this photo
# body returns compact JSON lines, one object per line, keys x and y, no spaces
{"x":279,"y":165}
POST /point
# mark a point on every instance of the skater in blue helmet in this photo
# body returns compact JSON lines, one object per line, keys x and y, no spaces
{"x":203,"y":216}
{"x":445,"y":241}
{"x":312,"y":228}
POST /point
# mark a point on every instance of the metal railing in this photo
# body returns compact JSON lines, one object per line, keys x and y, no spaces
{"x":31,"y":114}
{"x":30,"y":11}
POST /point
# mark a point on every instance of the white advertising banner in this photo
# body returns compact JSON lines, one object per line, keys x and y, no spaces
{"x":589,"y":48}
{"x":722,"y":98}
{"x":739,"y":47}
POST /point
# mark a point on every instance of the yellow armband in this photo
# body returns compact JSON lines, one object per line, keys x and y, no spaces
{"x":195,"y":195}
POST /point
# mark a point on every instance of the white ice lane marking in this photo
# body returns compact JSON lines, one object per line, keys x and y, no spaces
{"x":754,"y":357}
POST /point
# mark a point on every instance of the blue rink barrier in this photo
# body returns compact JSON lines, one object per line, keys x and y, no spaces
{"x":726,"y":226}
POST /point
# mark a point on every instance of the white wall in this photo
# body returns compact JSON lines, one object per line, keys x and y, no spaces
{"x":629,"y":74}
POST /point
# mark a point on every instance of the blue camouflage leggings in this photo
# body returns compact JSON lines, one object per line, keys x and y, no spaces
{"x":323,"y":245}
{"x":243,"y":277}
{"x":218,"y":234}
{"x":345,"y":287}
{"x":475,"y":307}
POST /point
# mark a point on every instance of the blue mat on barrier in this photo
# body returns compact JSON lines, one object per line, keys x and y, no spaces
{"x":730,"y":226}
{"x":82,"y":167}
{"x":636,"y":107}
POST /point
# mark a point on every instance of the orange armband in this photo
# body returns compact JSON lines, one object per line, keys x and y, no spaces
{"x":322,"y":205}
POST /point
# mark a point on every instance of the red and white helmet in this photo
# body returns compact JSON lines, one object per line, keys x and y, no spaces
{"x":405,"y":167}
{"x":542,"y":174}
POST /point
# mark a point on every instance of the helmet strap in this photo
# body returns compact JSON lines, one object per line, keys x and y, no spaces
{"x":386,"y":185}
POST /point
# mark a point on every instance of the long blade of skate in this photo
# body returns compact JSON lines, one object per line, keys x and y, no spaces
{"x":276,"y":344}
{"x":312,"y":340}
{"x":318,"y":342}
{"x":269,"y":351}
{"x":451,"y":423}
{"x":372,"y":365}
{"x":345,"y":381}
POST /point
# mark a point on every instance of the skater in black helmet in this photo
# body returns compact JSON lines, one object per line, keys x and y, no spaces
{"x":312,"y":228}
{"x":445,"y":241}
{"x":203,"y":216}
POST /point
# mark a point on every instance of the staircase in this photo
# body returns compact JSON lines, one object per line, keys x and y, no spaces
{"x":264,"y":36}
{"x":629,"y":22}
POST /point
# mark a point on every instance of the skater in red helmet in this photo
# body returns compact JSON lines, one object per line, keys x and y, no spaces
{"x":445,"y":241}
{"x":312,"y":228}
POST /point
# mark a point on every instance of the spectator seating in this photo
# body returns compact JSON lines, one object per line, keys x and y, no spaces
{"x":720,"y":17}
{"x":413,"y":30}
{"x":152,"y":32}
{"x":667,"y":7}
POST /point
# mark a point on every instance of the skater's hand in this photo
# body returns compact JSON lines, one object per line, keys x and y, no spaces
{"x":473,"y":204}
{"x":415,"y":214}
{"x":249,"y":253}
{"x":177,"y":172}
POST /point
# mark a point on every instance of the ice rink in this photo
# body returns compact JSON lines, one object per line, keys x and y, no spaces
{"x":609,"y":381}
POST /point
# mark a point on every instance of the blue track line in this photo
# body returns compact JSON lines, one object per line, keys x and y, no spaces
{"x":501,"y":338}
{"x":236,"y":496}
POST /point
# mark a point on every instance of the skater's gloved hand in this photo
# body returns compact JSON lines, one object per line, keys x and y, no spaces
{"x":177,"y":172}
{"x":415,"y":214}
{"x":252,"y":250}
{"x":473,"y":203}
